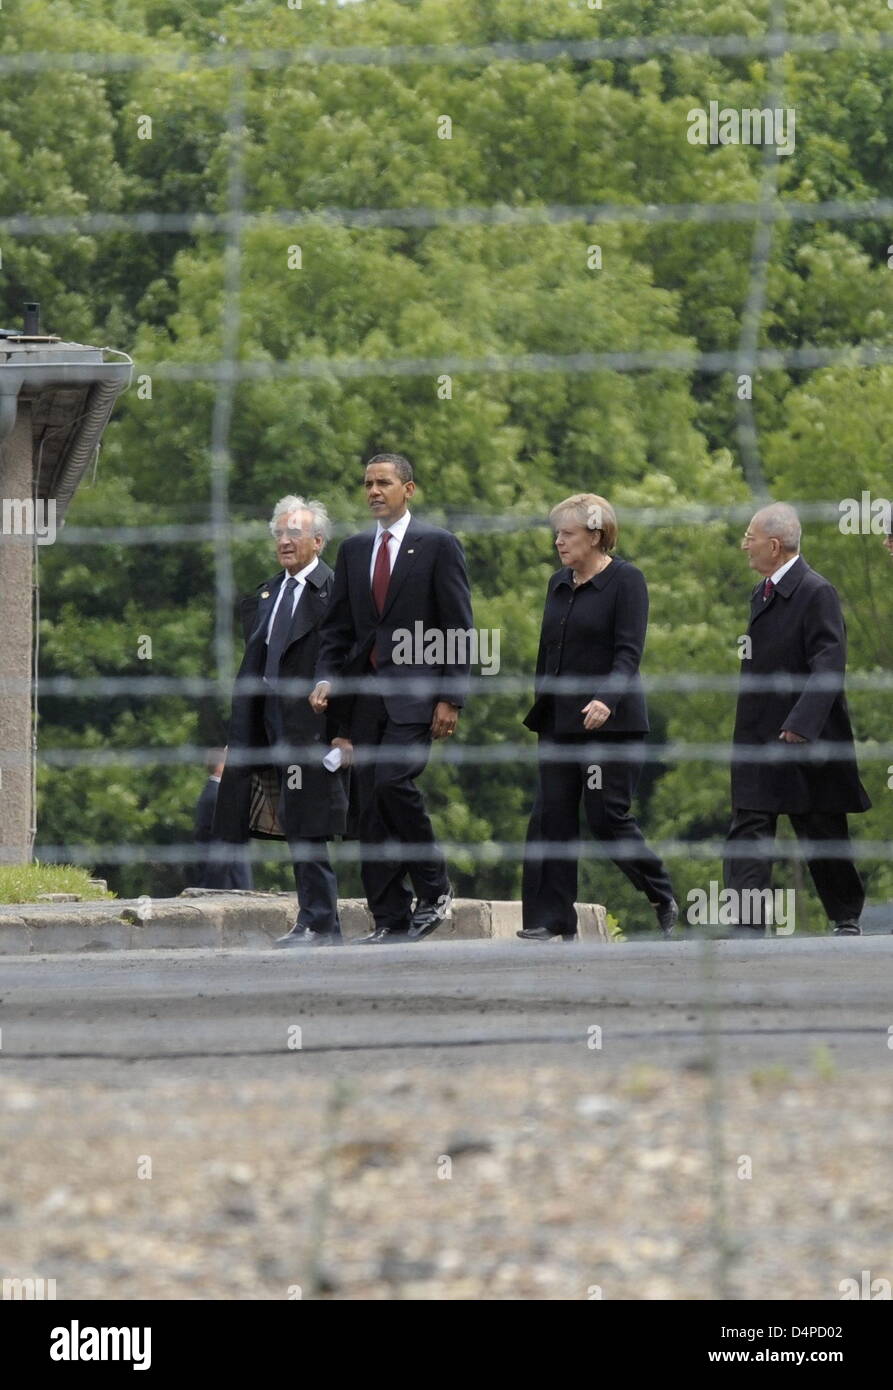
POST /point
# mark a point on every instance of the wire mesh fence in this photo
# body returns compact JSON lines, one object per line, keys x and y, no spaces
{"x":227,"y":366}
{"x":224,"y":369}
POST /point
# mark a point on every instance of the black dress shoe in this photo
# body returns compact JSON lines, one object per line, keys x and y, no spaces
{"x":667,"y":916}
{"x":308,"y":937}
{"x":847,"y":929}
{"x":382,"y":936}
{"x":543,"y":934}
{"x":428,"y":915}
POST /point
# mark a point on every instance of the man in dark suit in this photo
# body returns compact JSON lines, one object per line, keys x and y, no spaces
{"x":401,"y":578}
{"x":217,"y":870}
{"x":279,"y":786}
{"x":796,"y":629}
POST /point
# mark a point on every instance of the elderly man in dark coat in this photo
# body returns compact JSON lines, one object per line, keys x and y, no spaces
{"x":796,"y":630}
{"x":286,"y":790}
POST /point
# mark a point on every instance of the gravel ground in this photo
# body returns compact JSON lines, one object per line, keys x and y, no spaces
{"x":491,"y":1183}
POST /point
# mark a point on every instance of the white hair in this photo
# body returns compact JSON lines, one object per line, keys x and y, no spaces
{"x":780,"y":521}
{"x":322,"y":526}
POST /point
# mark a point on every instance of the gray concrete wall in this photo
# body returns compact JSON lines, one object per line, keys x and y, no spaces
{"x":16,"y":569}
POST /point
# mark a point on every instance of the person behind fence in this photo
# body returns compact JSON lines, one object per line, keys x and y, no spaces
{"x":276,"y":783}
{"x":221,"y":866}
{"x":401,"y":576}
{"x":796,"y":638}
{"x":591,"y":718}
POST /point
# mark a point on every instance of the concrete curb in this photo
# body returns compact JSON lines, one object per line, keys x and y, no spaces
{"x":231,"y":921}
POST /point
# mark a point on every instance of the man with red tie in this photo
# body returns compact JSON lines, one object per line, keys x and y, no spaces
{"x":403,"y":577}
{"x":796,"y":635}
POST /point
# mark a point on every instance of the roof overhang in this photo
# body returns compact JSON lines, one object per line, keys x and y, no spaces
{"x":72,"y":390}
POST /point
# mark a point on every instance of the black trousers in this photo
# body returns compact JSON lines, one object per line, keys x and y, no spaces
{"x":549,"y":886}
{"x":315,"y":882}
{"x":231,"y":870}
{"x":391,"y":808}
{"x":837,"y":881}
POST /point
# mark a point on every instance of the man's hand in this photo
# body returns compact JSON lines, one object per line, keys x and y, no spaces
{"x":595,"y":714}
{"x":319,"y":697}
{"x":444,"y":722}
{"x":346,"y":750}
{"x":788,"y":736}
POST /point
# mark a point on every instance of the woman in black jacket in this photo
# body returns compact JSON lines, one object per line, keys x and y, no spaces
{"x":591,"y":722}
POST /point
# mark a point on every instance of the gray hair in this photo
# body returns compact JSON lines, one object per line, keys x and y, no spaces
{"x":322,"y":526}
{"x":780,"y":521}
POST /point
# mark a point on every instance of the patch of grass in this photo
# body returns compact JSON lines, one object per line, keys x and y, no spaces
{"x":615,"y":931}
{"x":772,"y":1078}
{"x":824,"y":1063}
{"x":21,"y":883}
{"x":643,"y":1082}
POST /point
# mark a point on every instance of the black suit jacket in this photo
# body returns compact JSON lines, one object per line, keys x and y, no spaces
{"x":799,"y":631}
{"x":428,"y":592}
{"x":248,"y":792}
{"x":593,"y":636}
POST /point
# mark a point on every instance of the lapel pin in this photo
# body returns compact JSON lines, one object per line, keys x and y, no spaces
{"x":265,"y":594}
{"x":410,"y":552}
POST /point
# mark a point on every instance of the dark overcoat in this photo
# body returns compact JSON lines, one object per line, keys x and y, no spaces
{"x":798,"y":632}
{"x":248,"y":802}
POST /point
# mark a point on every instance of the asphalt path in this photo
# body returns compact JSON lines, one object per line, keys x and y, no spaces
{"x":115,"y":1016}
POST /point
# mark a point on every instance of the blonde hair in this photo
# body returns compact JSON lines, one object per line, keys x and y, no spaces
{"x":591,"y":511}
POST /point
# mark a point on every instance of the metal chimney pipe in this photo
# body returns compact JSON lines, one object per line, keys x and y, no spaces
{"x":32,"y":320}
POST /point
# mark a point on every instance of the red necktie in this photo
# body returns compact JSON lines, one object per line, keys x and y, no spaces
{"x":381,"y":575}
{"x":768,"y":588}
{"x":381,"y":578}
